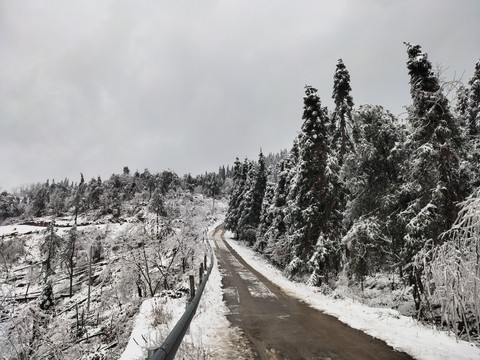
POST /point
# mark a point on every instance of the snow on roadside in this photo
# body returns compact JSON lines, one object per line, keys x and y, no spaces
{"x":210,"y":335}
{"x":210,"y":328}
{"x":145,"y":335}
{"x":401,"y":332}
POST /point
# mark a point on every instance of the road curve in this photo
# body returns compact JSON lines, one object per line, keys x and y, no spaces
{"x":281,"y":327}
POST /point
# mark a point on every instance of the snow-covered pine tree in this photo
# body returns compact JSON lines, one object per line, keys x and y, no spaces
{"x":157,"y":206}
{"x":275,"y":233}
{"x":258,"y":191}
{"x":69,"y":254}
{"x":371,"y":175}
{"x":94,"y":193}
{"x":245,"y":206}
{"x":47,"y":301}
{"x":246,"y":200}
{"x":222,"y":173}
{"x":40,"y":200}
{"x":233,"y":212}
{"x":9,"y":205}
{"x":58,"y":195}
{"x":434,"y":183}
{"x":212,"y":186}
{"x":266,"y":218}
{"x":50,"y":248}
{"x":252,"y":197}
{"x":472,"y":120}
{"x":473,"y":107}
{"x":342,"y":115}
{"x":366,"y":172}
{"x":291,"y":170}
{"x":461,"y":106}
{"x":315,"y":214}
{"x":79,"y":199}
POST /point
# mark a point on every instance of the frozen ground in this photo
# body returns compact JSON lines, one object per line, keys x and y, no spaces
{"x":401,"y":332}
{"x":115,"y":306}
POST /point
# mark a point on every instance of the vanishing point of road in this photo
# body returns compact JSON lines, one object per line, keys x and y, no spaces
{"x":281,"y":327}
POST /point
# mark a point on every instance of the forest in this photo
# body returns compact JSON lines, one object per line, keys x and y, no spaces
{"x":362,"y":192}
{"x":77,"y":259}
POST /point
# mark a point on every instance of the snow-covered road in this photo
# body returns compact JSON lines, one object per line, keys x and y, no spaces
{"x":280,"y":326}
{"x":401,"y":332}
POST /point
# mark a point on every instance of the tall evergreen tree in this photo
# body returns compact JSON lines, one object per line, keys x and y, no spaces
{"x":47,"y":300}
{"x":461,"y":107}
{"x":157,"y":206}
{"x":244,"y":231}
{"x":315,"y":212}
{"x":233,"y":212}
{"x":372,"y":174}
{"x":266,"y":218}
{"x":252,"y":199}
{"x":434,"y":183}
{"x":69,"y":255}
{"x":468,"y":108}
{"x":279,"y":211}
{"x":222,"y":173}
{"x":79,"y":198}
{"x":57,"y":198}
{"x":40,"y":200}
{"x":50,"y":247}
{"x":342,"y":114}
{"x":212,"y":185}
{"x":473,"y":107}
{"x":258,"y":190}
{"x":94,"y":192}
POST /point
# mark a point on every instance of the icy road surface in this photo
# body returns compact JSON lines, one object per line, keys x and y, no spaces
{"x":279,"y":326}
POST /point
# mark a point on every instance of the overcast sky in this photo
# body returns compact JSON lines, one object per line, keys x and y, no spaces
{"x":188,"y":85}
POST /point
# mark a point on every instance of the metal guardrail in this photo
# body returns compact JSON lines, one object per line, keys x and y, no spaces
{"x":171,"y":344}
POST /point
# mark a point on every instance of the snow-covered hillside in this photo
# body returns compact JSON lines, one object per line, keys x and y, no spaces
{"x":117,"y":263}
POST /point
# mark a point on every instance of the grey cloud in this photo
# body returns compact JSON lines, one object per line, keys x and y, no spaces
{"x":93,"y":86}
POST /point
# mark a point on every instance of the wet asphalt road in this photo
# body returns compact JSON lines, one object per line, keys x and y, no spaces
{"x":279,"y":326}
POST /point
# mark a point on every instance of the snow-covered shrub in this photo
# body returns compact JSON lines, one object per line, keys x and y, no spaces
{"x":277,"y":250}
{"x":452,"y":271}
{"x":249,"y":235}
{"x":364,"y":247}
{"x":160,"y":314}
{"x":12,"y":250}
{"x":294,"y":267}
{"x":321,"y":261}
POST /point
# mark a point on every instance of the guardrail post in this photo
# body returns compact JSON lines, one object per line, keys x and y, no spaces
{"x":205,"y":261}
{"x":192,"y":287}
{"x":201,"y":273}
{"x":150,"y":353}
